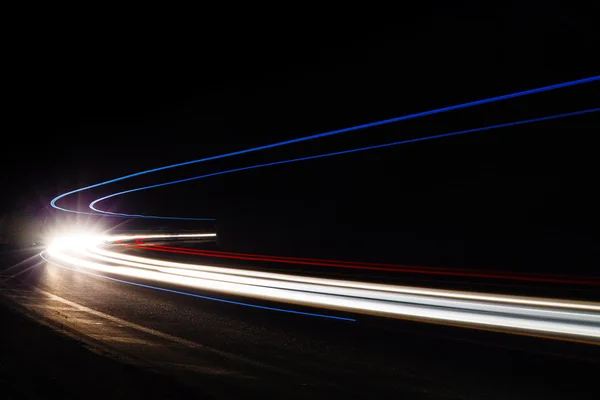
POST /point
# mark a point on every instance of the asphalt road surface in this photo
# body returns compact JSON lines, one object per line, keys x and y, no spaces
{"x":231,"y":351}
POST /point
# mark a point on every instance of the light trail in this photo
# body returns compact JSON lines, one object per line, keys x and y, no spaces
{"x":337,"y":153}
{"x":366,"y":266}
{"x":556,"y":318}
{"x":306,"y":138}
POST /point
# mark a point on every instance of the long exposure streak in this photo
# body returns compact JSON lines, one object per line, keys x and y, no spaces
{"x":462,"y":132}
{"x":321,"y":135}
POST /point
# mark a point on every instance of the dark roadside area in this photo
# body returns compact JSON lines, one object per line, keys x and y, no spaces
{"x":37,"y":362}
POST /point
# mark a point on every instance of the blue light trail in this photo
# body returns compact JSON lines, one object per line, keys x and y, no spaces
{"x":439,"y":136}
{"x":306,"y":138}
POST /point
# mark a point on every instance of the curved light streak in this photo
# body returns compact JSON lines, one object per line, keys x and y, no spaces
{"x":366,"y":266}
{"x":555,"y":318}
{"x":321,"y":135}
{"x":238,"y":303}
{"x":439,"y":136}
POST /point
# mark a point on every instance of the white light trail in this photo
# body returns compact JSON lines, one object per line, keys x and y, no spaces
{"x":557,"y":318}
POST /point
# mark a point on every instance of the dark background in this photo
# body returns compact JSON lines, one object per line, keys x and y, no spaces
{"x":95,"y":94}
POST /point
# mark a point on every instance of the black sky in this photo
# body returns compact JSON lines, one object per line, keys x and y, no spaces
{"x":95,"y":94}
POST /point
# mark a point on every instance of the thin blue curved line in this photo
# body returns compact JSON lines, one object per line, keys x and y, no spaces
{"x":443,"y":135}
{"x":238,"y":303}
{"x":330,"y":133}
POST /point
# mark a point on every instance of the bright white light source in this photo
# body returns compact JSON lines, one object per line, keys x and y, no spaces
{"x":74,"y":242}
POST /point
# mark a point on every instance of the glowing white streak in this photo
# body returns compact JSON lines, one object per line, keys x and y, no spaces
{"x":114,"y":238}
{"x":501,"y":312}
{"x":365,"y":293}
{"x":532,"y":301}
